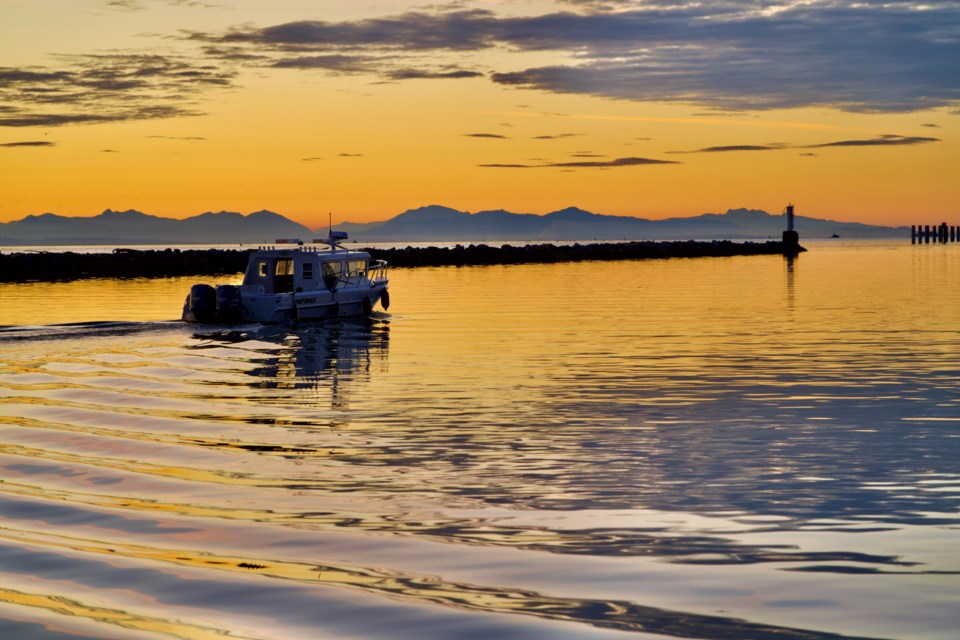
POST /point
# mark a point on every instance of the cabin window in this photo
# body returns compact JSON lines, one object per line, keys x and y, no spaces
{"x":283,"y":276}
{"x":331,"y":273}
{"x":307,"y":271}
{"x":262,"y":269}
{"x":284,"y":267}
{"x":331,"y":269}
{"x":356,"y":268}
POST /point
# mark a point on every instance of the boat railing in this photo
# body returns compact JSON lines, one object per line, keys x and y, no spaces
{"x":377,"y":271}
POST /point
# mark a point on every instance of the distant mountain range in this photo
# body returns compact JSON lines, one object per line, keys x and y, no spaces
{"x":442,"y":223}
{"x":134,"y":227}
{"x":425,"y":224}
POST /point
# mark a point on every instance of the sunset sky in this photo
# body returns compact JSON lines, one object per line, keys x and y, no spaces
{"x":649,"y":108}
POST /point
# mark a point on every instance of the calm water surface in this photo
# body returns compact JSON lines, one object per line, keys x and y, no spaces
{"x":712,"y":448}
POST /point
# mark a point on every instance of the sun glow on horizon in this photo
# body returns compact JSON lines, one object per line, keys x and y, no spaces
{"x":476,"y":108}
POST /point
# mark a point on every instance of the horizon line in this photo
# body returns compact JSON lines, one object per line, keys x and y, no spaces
{"x":410,"y":210}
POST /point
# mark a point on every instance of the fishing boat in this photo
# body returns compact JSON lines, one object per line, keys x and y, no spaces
{"x":295,"y":282}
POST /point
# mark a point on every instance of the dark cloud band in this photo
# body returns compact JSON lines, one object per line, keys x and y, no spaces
{"x":494,"y":136}
{"x":113,"y":87}
{"x":584,"y":164}
{"x":887,"y":140}
{"x":854,"y":56}
{"x":881,"y":141}
{"x":28,"y":143}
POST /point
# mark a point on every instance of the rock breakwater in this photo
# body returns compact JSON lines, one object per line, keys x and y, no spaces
{"x":545,"y":253}
{"x":160,"y":263}
{"x":122,"y":263}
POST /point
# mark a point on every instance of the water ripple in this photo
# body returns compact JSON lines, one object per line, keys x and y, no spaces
{"x":732,"y":451}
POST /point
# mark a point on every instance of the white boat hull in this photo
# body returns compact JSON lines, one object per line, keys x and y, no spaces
{"x":309,"y":305}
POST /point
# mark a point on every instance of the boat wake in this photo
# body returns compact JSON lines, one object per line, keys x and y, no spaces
{"x":75,"y":330}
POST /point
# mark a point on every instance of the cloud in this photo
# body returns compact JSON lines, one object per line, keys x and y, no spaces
{"x":112,"y":87}
{"x":730,"y":55}
{"x":557,"y":136}
{"x":196,"y":3}
{"x":126,"y":5}
{"x":879,"y":141}
{"x":612,"y":5}
{"x":339,"y":155}
{"x":601,"y":164}
{"x":735,"y":147}
{"x":28,"y":143}
{"x":190,"y":138}
{"x":931,"y":125}
{"x":486,"y":135}
{"x":243,"y":55}
{"x":417,"y":74}
{"x":31,"y":79}
{"x":28,"y":119}
{"x":142,"y":5}
{"x":337,"y":63}
{"x":459,"y":30}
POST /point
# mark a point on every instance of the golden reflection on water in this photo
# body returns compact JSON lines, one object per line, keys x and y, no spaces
{"x":97,"y":300}
{"x":624,"y":616}
{"x":492,"y":444}
{"x":61,"y":606}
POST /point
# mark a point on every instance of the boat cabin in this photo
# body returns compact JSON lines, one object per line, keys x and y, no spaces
{"x":273,"y":271}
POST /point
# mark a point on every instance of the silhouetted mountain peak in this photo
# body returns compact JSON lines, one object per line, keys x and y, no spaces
{"x":572,"y":213}
{"x":431,"y":213}
{"x":129,"y":214}
{"x":40,"y":218}
{"x":218,"y":215}
{"x":748,"y":214}
{"x":265,"y":214}
{"x":498,"y":215}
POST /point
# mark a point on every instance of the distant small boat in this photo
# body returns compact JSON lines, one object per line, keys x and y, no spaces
{"x":297,"y":283}
{"x":835,"y":235}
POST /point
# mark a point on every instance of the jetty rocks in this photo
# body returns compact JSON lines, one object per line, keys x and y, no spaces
{"x":122,"y":263}
{"x":165,"y":263}
{"x":473,"y":255}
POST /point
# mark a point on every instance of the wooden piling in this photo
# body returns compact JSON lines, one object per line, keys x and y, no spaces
{"x":942,"y":233}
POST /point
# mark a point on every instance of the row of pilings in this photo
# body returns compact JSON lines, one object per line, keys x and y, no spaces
{"x":942,"y":233}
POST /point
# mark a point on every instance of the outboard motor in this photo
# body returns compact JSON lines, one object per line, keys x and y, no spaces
{"x":203,"y":302}
{"x":228,"y":303}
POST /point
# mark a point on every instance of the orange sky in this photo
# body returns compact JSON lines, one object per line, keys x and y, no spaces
{"x":652,"y":109}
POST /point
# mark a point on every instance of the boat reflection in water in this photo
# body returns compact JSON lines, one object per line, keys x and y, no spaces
{"x":308,"y":359}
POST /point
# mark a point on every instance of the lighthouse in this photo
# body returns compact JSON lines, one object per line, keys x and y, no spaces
{"x":791,"y":239}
